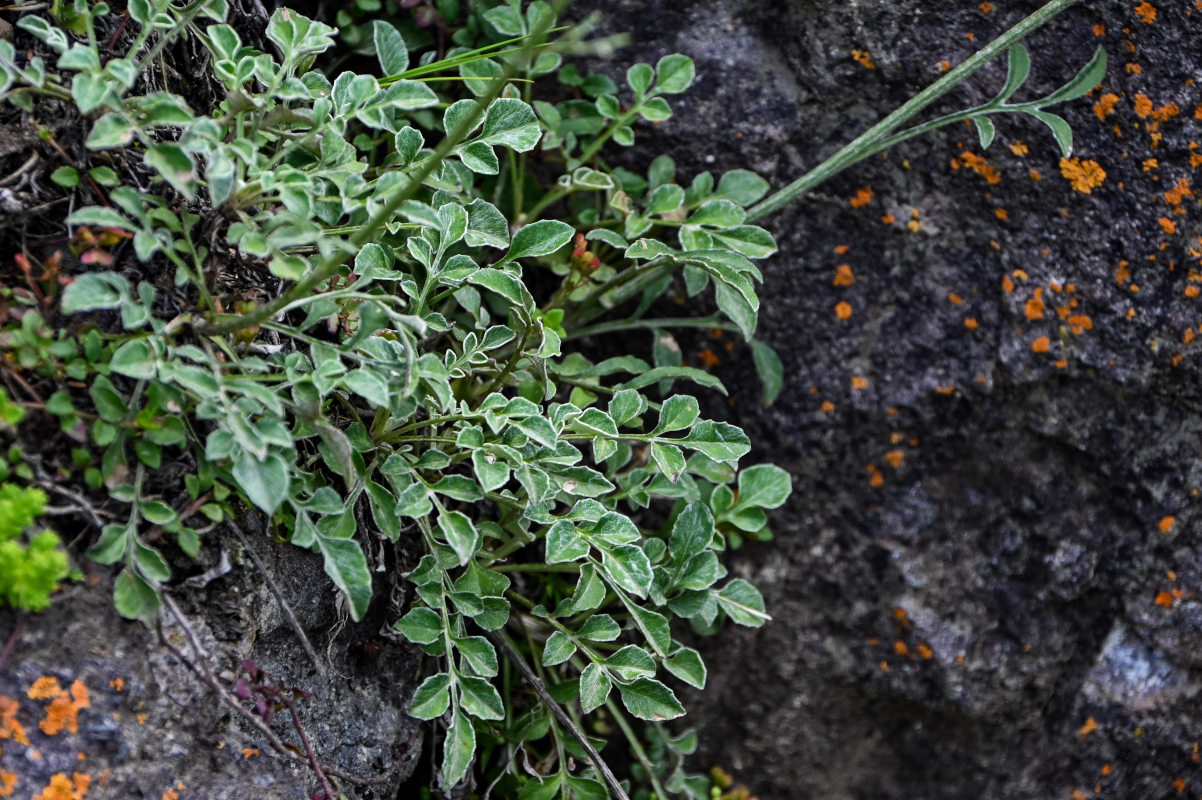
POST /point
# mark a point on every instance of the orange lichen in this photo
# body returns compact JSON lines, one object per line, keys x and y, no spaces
{"x":1007,"y":284}
{"x":117,"y":683}
{"x":875,"y":479}
{"x":843,"y":310}
{"x":863,"y":58}
{"x":1146,"y":12}
{"x":1035,"y":305}
{"x":8,"y":783}
{"x":1019,"y":148}
{"x":1143,"y":106}
{"x":895,"y":458}
{"x":1164,"y":599}
{"x":842,"y":249}
{"x":900,"y":648}
{"x":1099,"y":30}
{"x":45,"y":688}
{"x":1150,"y":164}
{"x":888,"y":219}
{"x":10,"y":726}
{"x":946,"y":391}
{"x":1105,"y":105}
{"x":1034,"y":175}
{"x":971,"y":323}
{"x":986,"y":7}
{"x":945,"y":65}
{"x":1167,"y":225}
{"x":1080,"y":322}
{"x":1001,"y":213}
{"x":1135,"y":69}
{"x":63,"y":788}
{"x":709,"y":358}
{"x":1179,"y":785}
{"x":1041,"y":345}
{"x":1084,"y":175}
{"x":1166,"y":524}
{"x":248,"y":752}
{"x":859,"y":383}
{"x":925,"y":652}
{"x":844,"y":276}
{"x":1192,"y":291}
{"x":979,"y":165}
{"x":1178,"y":193}
{"x":861,"y":198}
{"x":827,"y":406}
{"x":955,"y":299}
{"x":1107,"y":769}
{"x":914,"y":225}
{"x":1089,"y":727}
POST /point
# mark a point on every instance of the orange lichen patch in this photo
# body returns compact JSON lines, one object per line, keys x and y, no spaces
{"x":844,"y":276}
{"x":1167,"y":225}
{"x":709,"y":358}
{"x":1035,"y":306}
{"x":955,"y":299}
{"x":971,"y":323}
{"x":1041,"y":345}
{"x":1166,"y":524}
{"x":1107,"y":769}
{"x":117,"y":683}
{"x":827,"y":406}
{"x":863,"y":58}
{"x":843,"y":310}
{"x":1178,"y":193}
{"x":1001,"y":213}
{"x":1143,"y":106}
{"x":888,"y":219}
{"x":842,"y":249}
{"x":1179,"y":785}
{"x":1034,"y":175}
{"x":1089,"y":727}
{"x":946,"y":391}
{"x":1146,"y":12}
{"x":45,"y":688}
{"x":248,"y":752}
{"x":1080,"y":322}
{"x":914,"y":225}
{"x":63,"y":711}
{"x":1105,"y":105}
{"x":1099,"y":30}
{"x":1150,"y":164}
{"x":925,"y":652}
{"x":10,"y":726}
{"x":8,"y":783}
{"x":875,"y":479}
{"x":986,"y":7}
{"x":170,"y":794}
{"x":1164,"y":599}
{"x":979,"y":165}
{"x":902,"y":617}
{"x":63,"y":788}
{"x":884,"y":666}
{"x":1077,"y":794}
{"x":1019,"y":148}
{"x":895,"y":458}
{"x":900,"y":648}
{"x":861,"y":198}
{"x":1135,"y":69}
{"x":1084,"y":175}
{"x":859,"y":383}
{"x":1192,"y":291}
{"x":945,"y":65}
{"x":1007,"y":284}
{"x":1123,"y":273}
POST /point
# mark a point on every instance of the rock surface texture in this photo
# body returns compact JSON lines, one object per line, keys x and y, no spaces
{"x":987,"y":581}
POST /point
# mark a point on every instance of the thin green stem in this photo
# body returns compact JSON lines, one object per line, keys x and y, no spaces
{"x":875,"y":138}
{"x":636,"y":747}
{"x":617,"y":326}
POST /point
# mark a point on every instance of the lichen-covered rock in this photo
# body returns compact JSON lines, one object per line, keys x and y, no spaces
{"x":985,"y":582}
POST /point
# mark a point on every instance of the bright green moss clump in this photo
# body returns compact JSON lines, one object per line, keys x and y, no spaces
{"x":29,"y":572}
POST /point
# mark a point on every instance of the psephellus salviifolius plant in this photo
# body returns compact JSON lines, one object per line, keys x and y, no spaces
{"x":405,"y":363}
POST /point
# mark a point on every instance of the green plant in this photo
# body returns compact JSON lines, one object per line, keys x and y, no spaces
{"x":418,"y":377}
{"x":31,"y":564}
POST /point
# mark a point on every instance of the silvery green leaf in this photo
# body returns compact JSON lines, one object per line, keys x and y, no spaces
{"x":665,"y":199}
{"x":1061,"y":130}
{"x":748,"y":240}
{"x":1018,"y":67}
{"x":719,"y":441}
{"x":264,"y":482}
{"x":654,"y":627}
{"x":539,"y":239}
{"x":421,"y":626}
{"x":764,"y":486}
{"x":674,"y":74}
{"x":734,"y":306}
{"x":176,"y":166}
{"x":460,"y":534}
{"x":611,"y":238}
{"x":432,"y":698}
{"x":985,"y":131}
{"x":649,"y":699}
{"x":625,"y":405}
{"x":595,"y":686}
{"x":414,"y":501}
{"x":656,"y":109}
{"x":452,"y":219}
{"x":600,"y":628}
{"x":719,"y":214}
{"x":699,"y":572}
{"x":742,"y":187}
{"x":136,"y":359}
{"x":478,"y":75}
{"x":770,"y":370}
{"x":454,"y":119}
{"x":502,"y":283}
{"x":1083,"y":82}
{"x":629,"y":568}
{"x":486,"y":226}
{"x":408,"y":141}
{"x":624,"y":136}
{"x":134,"y":598}
{"x":687,"y":665}
{"x":94,"y":290}
{"x":742,"y":602}
{"x":79,"y":57}
{"x":677,"y":413}
{"x":590,"y":590}
{"x":391,"y":50}
{"x":669,"y":459}
{"x":558,"y":649}
{"x":657,"y":374}
{"x":479,"y":698}
{"x":479,"y":654}
{"x":639,"y":78}
{"x":492,"y":472}
{"x":40,"y":27}
{"x":479,"y":157}
{"x":691,"y":533}
{"x":631,"y":662}
{"x":506,"y":19}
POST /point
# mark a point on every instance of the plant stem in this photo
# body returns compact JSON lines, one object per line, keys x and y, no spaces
{"x":876,"y":138}
{"x":713,"y":321}
{"x":636,"y":747}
